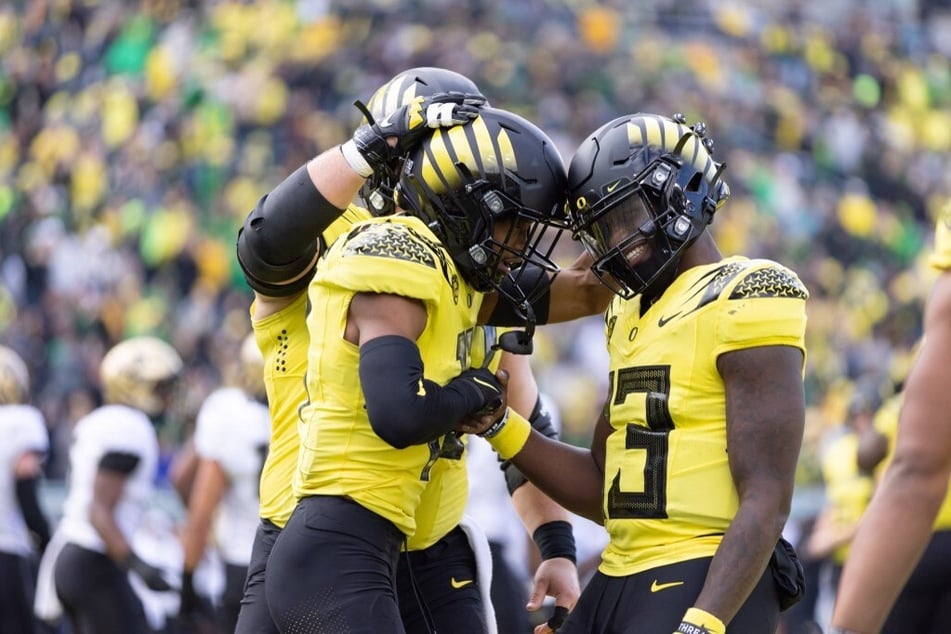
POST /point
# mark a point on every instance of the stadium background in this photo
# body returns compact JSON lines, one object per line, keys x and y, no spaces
{"x":135,"y":137}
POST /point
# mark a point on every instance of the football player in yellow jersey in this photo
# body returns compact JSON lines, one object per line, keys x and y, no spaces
{"x":394,"y":305}
{"x":277,"y":249}
{"x":283,"y":336}
{"x":279,"y":326}
{"x":691,"y":466}
{"x":899,"y":524}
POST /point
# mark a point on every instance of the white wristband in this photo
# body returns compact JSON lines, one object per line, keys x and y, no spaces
{"x":355,"y":160}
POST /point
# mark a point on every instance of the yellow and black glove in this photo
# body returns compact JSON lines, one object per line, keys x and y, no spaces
{"x":369,"y":152}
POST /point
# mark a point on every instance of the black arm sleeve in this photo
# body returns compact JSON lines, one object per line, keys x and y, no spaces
{"x":119,"y":462}
{"x":391,"y":372}
{"x":534,"y":282}
{"x":32,"y":513}
{"x":541,"y":421}
{"x":281,"y":236}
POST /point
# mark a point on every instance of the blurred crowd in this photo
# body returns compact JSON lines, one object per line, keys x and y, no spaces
{"x":135,"y":137}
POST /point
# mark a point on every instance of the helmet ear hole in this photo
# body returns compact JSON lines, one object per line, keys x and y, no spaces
{"x":677,"y":199}
{"x":695,"y":183}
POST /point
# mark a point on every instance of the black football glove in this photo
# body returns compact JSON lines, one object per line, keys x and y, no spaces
{"x":151,"y":575}
{"x":408,"y":124}
{"x":485,"y":388}
{"x":190,"y":603}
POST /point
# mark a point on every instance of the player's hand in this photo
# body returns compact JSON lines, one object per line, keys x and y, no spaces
{"x":697,"y":620}
{"x":486,"y":389}
{"x":380,"y":142}
{"x":558,"y":578}
{"x":152,"y":575}
{"x":492,"y":412}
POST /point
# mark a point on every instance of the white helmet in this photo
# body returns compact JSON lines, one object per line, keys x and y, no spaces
{"x":14,"y":378}
{"x":138,"y":372}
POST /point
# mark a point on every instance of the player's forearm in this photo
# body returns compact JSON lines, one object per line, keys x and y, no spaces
{"x":577,"y":292}
{"x":740,"y":561}
{"x":535,"y":508}
{"x":194,"y":540}
{"x":565,"y":473}
{"x":891,"y":538}
{"x":102,"y":519}
{"x":332,"y":175}
{"x":209,"y":488}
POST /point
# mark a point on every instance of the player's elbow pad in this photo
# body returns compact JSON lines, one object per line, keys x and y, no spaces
{"x":278,"y":244}
{"x":404,"y":408}
{"x":541,"y":422}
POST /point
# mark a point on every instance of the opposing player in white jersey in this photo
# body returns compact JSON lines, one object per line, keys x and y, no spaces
{"x":24,"y":529}
{"x":112,"y":461}
{"x":231,"y":442}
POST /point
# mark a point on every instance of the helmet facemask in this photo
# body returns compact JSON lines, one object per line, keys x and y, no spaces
{"x":641,"y":189}
{"x":638,"y":234}
{"x":488,"y":234}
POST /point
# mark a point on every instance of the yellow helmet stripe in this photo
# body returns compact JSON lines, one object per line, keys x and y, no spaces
{"x":392,"y":95}
{"x":664,"y":134}
{"x":438,"y":170}
{"x":472,"y":145}
{"x":509,"y":161}
{"x":484,"y":146}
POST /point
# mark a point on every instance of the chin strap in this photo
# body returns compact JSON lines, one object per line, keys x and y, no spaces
{"x":520,"y":341}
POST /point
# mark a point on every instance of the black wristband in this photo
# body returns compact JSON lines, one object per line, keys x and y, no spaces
{"x":555,"y":539}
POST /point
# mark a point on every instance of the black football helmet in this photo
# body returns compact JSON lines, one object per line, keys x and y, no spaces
{"x":641,"y":189}
{"x":424,"y":81}
{"x":462,"y":180}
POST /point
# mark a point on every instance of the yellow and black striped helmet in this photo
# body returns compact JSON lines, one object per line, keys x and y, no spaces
{"x":641,"y":190}
{"x":424,"y":81}
{"x":461,"y":180}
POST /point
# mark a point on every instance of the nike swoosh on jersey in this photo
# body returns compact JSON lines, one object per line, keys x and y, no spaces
{"x":664,"y":320}
{"x":484,"y":383}
{"x":462,"y":584}
{"x":657,"y":587}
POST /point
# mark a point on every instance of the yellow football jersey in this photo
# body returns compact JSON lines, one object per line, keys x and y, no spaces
{"x":886,"y":421}
{"x":283,"y":340}
{"x":443,"y":501}
{"x":668,"y":494}
{"x":340,"y":454}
